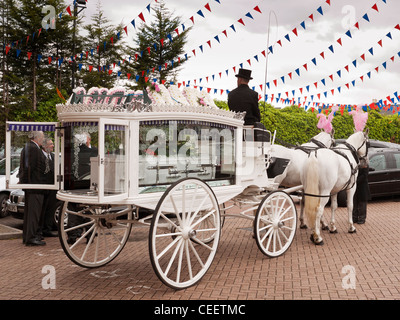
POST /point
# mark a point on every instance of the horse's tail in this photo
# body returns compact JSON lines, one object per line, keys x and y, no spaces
{"x":311,"y":187}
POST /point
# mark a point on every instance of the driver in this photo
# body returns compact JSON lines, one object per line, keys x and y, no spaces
{"x":243,"y":99}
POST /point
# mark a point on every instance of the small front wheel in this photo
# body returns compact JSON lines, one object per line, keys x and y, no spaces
{"x":184,"y":233}
{"x":275,"y":224}
{"x":94,"y":235}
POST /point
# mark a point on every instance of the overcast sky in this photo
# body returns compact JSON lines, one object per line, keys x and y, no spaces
{"x":250,"y":40}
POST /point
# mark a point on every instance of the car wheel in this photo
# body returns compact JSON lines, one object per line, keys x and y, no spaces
{"x":58,"y":211}
{"x":342,"y":199}
{"x":3,"y":205}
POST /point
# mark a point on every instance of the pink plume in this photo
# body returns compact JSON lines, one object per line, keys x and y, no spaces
{"x":325,"y":123}
{"x":360,"y":118}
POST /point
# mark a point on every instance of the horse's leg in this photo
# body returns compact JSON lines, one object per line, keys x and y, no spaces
{"x":302,"y":224}
{"x":316,"y":235}
{"x":350,"y":195}
{"x":324,"y":225}
{"x":334,"y":205}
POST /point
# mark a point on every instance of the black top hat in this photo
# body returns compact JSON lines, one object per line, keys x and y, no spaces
{"x":245,"y":74}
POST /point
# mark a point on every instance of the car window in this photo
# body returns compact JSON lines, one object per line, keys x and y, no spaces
{"x":378,"y":162}
{"x":397,"y":160}
{"x":14,"y":165}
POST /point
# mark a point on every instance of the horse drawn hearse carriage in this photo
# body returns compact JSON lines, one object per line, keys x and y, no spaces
{"x":177,"y":168}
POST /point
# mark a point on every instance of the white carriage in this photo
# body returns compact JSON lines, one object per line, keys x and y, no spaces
{"x":177,"y":168}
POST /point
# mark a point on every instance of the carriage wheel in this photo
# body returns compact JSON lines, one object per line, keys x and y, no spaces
{"x":184,"y":233}
{"x":275,"y":223}
{"x":94,"y":235}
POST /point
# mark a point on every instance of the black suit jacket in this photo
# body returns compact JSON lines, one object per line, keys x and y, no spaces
{"x":49,"y":176}
{"x":244,"y":99}
{"x":32,"y":165}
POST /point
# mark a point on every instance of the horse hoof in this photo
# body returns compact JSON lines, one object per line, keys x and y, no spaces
{"x":303,"y":226}
{"x":325,"y":228}
{"x":353,"y":231}
{"x":317,"y":243}
{"x":333,"y":231}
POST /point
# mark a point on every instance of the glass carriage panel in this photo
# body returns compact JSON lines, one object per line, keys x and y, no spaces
{"x":171,"y":150}
{"x":81,"y":143}
{"x":27,"y":165}
{"x":113,"y":160}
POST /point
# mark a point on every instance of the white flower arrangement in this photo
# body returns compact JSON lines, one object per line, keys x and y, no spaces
{"x":192,"y":96}
{"x":79,"y":90}
{"x":92,"y":92}
{"x":155,"y":95}
{"x":208,"y":101}
{"x":177,"y":95}
{"x":165,"y":94}
{"x":114,"y":91}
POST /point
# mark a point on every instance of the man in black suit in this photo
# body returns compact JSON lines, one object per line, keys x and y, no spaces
{"x":244,"y":99}
{"x":50,"y":201}
{"x":32,"y":167}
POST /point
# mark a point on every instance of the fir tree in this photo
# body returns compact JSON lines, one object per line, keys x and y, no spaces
{"x":105,"y":49}
{"x":164,"y":44}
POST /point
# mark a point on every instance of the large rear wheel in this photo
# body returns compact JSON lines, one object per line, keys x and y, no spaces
{"x":184,"y":233}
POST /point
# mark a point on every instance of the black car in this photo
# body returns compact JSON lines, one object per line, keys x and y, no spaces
{"x":384,"y":174}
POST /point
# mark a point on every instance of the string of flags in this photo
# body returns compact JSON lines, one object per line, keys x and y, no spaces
{"x":110,"y":67}
{"x":305,"y":67}
{"x":280,"y":97}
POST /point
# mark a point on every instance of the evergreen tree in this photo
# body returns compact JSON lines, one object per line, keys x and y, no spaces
{"x":34,"y":67}
{"x":165,"y":46}
{"x":105,"y":49}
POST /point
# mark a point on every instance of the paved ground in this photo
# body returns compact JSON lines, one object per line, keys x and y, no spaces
{"x":368,"y":259}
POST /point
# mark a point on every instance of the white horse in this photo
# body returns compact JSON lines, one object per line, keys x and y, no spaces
{"x":297,"y":157}
{"x":325,"y":173}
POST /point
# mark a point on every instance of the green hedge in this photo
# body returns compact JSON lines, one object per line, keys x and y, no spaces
{"x":294,"y":125}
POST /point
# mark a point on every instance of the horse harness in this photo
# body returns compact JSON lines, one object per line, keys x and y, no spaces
{"x":308,"y":150}
{"x":354,"y":170}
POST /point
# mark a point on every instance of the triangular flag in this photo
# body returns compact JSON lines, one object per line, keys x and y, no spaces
{"x":69,"y":11}
{"x":207,"y":6}
{"x":241,"y":21}
{"x":200,"y":13}
{"x":365,"y":16}
{"x":256,"y":8}
{"x":320,"y":10}
{"x":375,"y":7}
{"x":248,"y":14}
{"x":371,"y":51}
{"x":348,"y":33}
{"x":294,"y":31}
{"x":339,"y":41}
{"x":142,"y":17}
